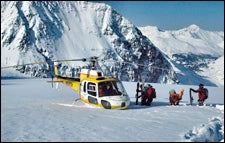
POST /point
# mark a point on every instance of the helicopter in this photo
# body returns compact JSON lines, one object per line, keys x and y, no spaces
{"x":92,"y":86}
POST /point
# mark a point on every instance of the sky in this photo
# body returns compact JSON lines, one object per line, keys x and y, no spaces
{"x":33,"y":111}
{"x":168,"y":15}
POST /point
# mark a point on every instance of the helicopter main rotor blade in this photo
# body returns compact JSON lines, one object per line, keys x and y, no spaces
{"x":69,"y":60}
{"x":15,"y":66}
{"x":84,"y":59}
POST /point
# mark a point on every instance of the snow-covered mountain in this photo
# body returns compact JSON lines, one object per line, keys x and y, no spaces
{"x":52,"y":30}
{"x":194,"y":49}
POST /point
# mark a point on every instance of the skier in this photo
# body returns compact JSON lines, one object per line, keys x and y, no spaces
{"x":147,"y":95}
{"x":202,"y":94}
{"x":174,"y":97}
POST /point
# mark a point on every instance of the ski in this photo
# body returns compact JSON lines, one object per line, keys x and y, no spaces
{"x":137,"y":91}
{"x":143,"y":84}
{"x":191,"y":98}
{"x":142,"y":88}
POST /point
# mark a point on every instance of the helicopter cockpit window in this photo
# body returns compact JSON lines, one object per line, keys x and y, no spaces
{"x":110,"y":88}
{"x":121,"y":88}
{"x":91,"y":88}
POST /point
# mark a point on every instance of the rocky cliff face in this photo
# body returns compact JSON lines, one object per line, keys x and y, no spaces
{"x":46,"y":31}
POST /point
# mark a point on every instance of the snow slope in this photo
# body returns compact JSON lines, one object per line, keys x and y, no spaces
{"x":33,"y":111}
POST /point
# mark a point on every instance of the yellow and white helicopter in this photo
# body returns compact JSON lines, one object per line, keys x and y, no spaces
{"x":92,"y":86}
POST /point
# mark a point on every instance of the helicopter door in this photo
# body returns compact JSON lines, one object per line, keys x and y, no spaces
{"x":91,"y":90}
{"x":83,"y":89}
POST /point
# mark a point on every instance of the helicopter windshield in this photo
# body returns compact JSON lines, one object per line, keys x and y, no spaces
{"x":110,"y":88}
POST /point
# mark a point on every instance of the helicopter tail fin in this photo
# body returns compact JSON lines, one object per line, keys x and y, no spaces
{"x":56,"y":69}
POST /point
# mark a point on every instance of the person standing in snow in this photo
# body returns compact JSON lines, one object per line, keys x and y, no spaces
{"x":174,"y":97}
{"x":202,"y":94}
{"x":148,"y":94}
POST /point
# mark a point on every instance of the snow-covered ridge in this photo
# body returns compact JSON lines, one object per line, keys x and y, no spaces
{"x":194,"y":49}
{"x":192,"y":39}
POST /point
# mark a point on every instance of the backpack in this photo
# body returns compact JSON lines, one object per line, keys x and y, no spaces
{"x":205,"y":92}
{"x":151,"y":92}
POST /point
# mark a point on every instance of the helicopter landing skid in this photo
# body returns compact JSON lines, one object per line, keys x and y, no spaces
{"x":76,"y":100}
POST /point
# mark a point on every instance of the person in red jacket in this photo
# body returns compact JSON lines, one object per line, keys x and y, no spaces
{"x":147,"y":95}
{"x":174,"y":97}
{"x":202,"y":94}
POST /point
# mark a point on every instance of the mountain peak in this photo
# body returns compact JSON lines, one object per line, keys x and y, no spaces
{"x":193,"y":27}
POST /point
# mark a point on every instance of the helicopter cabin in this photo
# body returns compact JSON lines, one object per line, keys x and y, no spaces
{"x":102,"y":91}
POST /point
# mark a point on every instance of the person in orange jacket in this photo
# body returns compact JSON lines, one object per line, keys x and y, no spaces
{"x":174,"y":97}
